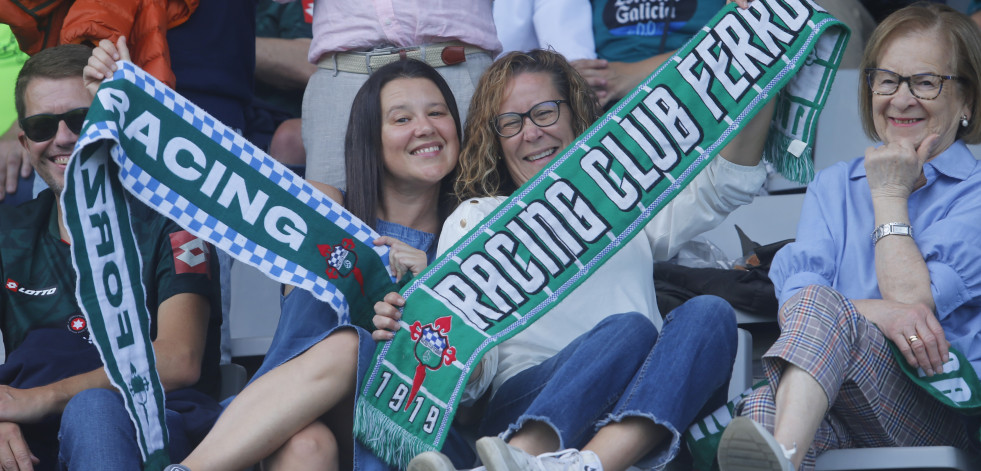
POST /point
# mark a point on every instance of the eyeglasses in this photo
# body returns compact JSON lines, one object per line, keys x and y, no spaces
{"x":543,"y":115}
{"x":41,"y":127}
{"x":922,"y":86}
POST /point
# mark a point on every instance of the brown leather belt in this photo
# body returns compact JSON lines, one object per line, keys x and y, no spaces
{"x":364,"y":62}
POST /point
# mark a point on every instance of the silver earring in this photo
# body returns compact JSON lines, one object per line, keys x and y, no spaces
{"x":964,"y":121}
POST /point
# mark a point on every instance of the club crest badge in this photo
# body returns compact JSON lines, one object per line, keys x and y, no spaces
{"x":77,"y":324}
{"x":342,"y":261}
{"x":432,"y":350}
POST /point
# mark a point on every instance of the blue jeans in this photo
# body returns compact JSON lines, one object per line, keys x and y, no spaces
{"x":97,"y":433}
{"x":623,"y":368}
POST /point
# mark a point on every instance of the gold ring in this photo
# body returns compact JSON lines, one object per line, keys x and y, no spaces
{"x":911,"y":339}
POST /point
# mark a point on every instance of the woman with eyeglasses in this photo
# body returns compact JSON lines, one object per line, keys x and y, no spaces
{"x":594,"y":373}
{"x":887,"y":251}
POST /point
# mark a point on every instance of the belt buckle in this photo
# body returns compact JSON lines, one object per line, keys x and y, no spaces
{"x":387,"y":51}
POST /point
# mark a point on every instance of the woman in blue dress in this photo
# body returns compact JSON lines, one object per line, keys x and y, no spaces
{"x":401,"y":148}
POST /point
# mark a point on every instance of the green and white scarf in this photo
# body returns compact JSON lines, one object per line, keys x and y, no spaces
{"x":957,"y":386}
{"x":111,"y":294}
{"x":557,"y":229}
{"x":703,"y":436}
{"x":141,"y":137}
{"x":553,"y":233}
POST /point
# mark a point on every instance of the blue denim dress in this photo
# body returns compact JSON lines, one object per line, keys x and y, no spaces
{"x":305,"y":320}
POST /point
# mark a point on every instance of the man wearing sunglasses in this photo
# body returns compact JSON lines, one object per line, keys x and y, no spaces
{"x":56,"y":403}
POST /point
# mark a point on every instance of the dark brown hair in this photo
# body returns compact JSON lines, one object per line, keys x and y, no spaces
{"x":65,"y":61}
{"x":363,"y":143}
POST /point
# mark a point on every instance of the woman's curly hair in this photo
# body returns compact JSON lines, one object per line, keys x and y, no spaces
{"x":482,"y":171}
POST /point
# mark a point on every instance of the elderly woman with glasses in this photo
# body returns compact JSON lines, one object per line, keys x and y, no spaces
{"x":887,"y":251}
{"x":593,"y":373}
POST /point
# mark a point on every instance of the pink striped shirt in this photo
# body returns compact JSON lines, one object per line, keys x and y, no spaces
{"x":361,"y":25}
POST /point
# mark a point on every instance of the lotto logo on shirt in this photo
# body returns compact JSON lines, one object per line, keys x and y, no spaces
{"x":17,"y":288}
{"x":190,"y":253}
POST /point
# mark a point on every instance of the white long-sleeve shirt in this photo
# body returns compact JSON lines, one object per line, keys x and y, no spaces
{"x":563,"y":25}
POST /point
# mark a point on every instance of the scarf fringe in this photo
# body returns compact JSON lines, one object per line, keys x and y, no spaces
{"x":795,"y":168}
{"x":157,"y":460}
{"x":386,"y":438}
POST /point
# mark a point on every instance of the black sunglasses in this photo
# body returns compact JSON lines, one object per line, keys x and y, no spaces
{"x":41,"y":127}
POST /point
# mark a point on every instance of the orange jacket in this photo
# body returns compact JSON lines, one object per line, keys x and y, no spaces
{"x":39,"y":24}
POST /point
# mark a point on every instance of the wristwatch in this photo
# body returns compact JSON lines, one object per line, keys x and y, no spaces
{"x":891,"y":228}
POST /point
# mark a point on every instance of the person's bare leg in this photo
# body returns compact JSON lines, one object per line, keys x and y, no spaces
{"x":279,"y":404}
{"x":619,"y":445}
{"x":800,"y":406}
{"x":535,"y":438}
{"x":312,"y":449}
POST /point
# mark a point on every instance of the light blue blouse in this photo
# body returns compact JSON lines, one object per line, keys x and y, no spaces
{"x":834,"y":248}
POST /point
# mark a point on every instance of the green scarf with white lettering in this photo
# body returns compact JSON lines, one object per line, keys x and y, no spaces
{"x":111,"y":294}
{"x":957,"y":386}
{"x":141,"y":137}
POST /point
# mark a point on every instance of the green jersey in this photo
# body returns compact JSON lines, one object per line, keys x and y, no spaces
{"x":36,"y":267}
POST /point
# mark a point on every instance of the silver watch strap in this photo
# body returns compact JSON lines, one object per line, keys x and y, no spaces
{"x":891,"y":228}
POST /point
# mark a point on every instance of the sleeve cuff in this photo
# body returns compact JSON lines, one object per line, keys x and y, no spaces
{"x":739,"y":179}
{"x":478,"y":383}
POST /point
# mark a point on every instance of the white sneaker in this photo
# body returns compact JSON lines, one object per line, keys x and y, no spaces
{"x":747,"y":446}
{"x":434,"y":461}
{"x":499,"y":456}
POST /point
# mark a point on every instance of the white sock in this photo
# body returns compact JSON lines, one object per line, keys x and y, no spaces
{"x":789,"y":454}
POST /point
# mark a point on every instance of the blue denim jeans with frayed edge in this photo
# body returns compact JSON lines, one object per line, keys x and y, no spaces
{"x":624,"y":368}
{"x":96,"y":432}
